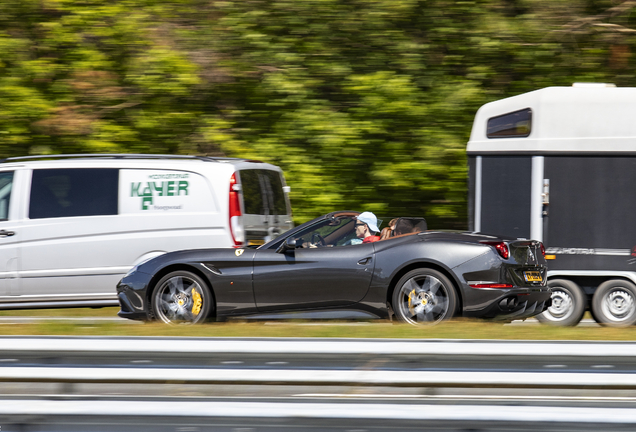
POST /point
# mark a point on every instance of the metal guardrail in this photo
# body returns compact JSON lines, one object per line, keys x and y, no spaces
{"x":307,"y":347}
{"x":378,"y":378}
{"x":67,"y":405}
{"x":318,"y":346}
{"x":516,"y":415}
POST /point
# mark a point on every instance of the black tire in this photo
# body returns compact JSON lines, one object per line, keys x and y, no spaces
{"x":614,"y":303}
{"x":424,"y":297}
{"x":181,"y":297}
{"x":568,"y":304}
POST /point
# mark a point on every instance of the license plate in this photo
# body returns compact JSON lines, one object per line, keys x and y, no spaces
{"x":255,"y":242}
{"x":532,"y":276}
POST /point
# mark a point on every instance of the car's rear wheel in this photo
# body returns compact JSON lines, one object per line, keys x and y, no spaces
{"x":181,"y":297}
{"x":424,"y":297}
{"x":568,"y":304}
{"x":614,"y":303}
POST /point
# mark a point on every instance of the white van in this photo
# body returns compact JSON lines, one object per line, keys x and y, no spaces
{"x":72,"y":225}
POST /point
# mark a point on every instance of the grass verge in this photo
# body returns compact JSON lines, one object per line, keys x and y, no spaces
{"x":457,"y":329}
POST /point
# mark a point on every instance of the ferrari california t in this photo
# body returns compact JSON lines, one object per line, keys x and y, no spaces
{"x":416,"y":276}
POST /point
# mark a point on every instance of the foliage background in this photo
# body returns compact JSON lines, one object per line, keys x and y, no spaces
{"x":366,"y":104}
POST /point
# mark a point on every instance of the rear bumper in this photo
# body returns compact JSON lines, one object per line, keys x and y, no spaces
{"x":513,"y":304}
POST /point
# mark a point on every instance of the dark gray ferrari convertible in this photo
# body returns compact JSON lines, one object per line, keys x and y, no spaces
{"x":321,"y":267}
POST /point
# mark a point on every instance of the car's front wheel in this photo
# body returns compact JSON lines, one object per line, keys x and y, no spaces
{"x":181,"y":297}
{"x":424,"y":297}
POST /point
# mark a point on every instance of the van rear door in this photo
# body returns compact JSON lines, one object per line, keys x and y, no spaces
{"x":266,"y":207}
{"x":279,"y":209}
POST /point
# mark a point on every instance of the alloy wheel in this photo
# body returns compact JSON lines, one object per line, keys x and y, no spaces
{"x":423,"y":299}
{"x":180,"y":299}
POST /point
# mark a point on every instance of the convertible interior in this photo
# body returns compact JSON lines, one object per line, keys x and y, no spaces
{"x":340,"y":231}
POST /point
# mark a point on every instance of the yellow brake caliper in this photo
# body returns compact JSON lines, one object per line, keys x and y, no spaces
{"x":197,"y":302}
{"x":413,"y":303}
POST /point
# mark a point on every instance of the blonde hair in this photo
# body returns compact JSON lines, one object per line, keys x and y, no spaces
{"x":388,"y":231}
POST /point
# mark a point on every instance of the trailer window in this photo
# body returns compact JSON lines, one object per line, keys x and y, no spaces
{"x":512,"y":125}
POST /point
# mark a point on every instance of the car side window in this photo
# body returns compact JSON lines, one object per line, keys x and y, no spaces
{"x":73,"y":192}
{"x":337,"y":231}
{"x":6,"y":184}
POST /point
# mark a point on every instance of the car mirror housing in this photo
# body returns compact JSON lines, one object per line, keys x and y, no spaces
{"x":289,"y":244}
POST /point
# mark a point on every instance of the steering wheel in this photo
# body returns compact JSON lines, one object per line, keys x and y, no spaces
{"x":318,"y":240}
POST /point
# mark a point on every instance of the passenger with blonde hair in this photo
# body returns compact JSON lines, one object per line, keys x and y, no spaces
{"x":387,"y":232}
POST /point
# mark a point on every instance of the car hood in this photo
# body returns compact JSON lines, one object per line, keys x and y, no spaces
{"x":217,"y":257}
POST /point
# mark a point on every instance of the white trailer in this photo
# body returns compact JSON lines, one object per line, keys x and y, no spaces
{"x":559,"y":165}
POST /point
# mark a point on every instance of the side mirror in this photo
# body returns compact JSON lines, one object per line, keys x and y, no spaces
{"x":289,"y":244}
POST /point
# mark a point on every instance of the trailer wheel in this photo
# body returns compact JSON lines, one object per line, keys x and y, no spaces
{"x":614,"y":303}
{"x":568,"y":304}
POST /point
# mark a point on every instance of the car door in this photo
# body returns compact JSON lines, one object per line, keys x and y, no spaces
{"x":335,"y":274}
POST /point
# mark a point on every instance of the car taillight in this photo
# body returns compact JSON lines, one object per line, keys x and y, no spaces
{"x":634,"y":251}
{"x":501,"y":247}
{"x":236,"y":216}
{"x":490,"y":285}
{"x":542,"y":249}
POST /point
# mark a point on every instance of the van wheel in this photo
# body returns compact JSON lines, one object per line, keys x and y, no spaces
{"x":614,"y":303}
{"x":181,"y":297}
{"x":424,"y":297}
{"x":568,"y":304}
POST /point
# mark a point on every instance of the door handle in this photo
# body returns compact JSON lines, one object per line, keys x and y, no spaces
{"x":4,"y":233}
{"x":364,"y":261}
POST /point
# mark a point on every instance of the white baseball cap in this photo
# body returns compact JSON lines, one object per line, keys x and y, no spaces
{"x":369,"y":219}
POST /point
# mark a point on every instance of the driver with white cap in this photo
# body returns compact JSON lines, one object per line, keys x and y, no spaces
{"x":366,"y":225}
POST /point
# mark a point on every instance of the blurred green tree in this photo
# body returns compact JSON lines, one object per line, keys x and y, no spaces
{"x":366,"y":104}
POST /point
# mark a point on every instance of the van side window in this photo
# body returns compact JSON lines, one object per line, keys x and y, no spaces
{"x":73,"y":192}
{"x":6,"y":184}
{"x":516,"y":124}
